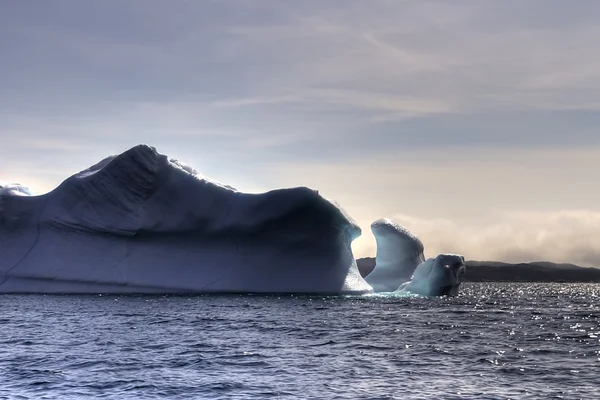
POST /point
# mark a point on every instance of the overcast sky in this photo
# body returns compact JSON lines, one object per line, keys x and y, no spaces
{"x":473,"y":123}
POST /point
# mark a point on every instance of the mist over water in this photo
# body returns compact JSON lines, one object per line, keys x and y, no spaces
{"x":568,"y":236}
{"x":493,"y":341}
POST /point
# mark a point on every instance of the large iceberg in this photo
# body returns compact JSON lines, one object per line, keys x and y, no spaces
{"x":142,"y":223}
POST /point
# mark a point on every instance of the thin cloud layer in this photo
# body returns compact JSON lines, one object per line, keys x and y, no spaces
{"x":563,"y":236}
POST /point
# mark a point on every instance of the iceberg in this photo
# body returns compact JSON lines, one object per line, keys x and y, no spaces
{"x":438,"y":276}
{"x":398,"y":253}
{"x":140,"y":222}
{"x":400,"y":264}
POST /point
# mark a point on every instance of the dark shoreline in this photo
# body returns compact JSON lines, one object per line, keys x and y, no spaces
{"x":494,"y":271}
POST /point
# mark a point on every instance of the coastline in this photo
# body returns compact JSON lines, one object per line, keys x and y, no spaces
{"x":495,"y":271}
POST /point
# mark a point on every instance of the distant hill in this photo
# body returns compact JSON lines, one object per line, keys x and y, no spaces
{"x":494,"y":271}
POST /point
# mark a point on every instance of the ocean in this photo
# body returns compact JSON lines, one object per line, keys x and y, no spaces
{"x":493,"y":341}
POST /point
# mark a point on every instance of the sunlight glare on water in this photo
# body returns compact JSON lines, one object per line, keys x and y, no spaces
{"x":494,"y":341}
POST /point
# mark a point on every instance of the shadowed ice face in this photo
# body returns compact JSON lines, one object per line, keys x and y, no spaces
{"x":439,"y":276}
{"x":446,"y":275}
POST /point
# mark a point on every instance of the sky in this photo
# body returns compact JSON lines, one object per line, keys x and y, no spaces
{"x":473,"y":123}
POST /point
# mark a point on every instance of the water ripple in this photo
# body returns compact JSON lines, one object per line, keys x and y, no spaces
{"x":494,"y":341}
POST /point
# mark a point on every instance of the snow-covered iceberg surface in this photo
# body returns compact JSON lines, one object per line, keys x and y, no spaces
{"x":400,"y":264}
{"x":141,"y":223}
{"x":15,"y":189}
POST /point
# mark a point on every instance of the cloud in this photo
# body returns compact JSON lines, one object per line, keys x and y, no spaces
{"x":468,"y":55}
{"x":471,"y":200}
{"x":571,"y":236}
{"x":253,"y":101}
{"x":378,"y":75}
{"x":453,"y":182}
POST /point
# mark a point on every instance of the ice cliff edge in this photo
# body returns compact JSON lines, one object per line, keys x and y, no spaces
{"x":139,"y":222}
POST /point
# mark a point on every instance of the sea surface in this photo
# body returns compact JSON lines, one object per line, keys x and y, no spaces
{"x":494,"y":341}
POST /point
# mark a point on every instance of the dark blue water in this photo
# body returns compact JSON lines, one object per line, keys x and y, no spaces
{"x":494,"y":341}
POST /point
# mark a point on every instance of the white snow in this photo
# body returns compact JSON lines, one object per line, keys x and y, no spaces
{"x":140,"y":222}
{"x":14,"y":189}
